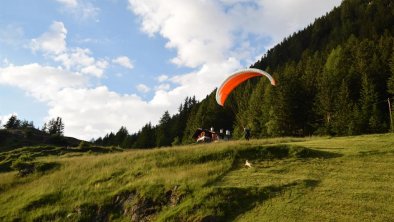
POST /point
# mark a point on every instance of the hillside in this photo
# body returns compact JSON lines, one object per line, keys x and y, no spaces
{"x":16,"y":138}
{"x":302,"y":179}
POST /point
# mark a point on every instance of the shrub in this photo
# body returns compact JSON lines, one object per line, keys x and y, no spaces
{"x":84,"y":145}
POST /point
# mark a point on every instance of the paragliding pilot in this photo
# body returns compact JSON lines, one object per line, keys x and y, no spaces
{"x":247,"y":133}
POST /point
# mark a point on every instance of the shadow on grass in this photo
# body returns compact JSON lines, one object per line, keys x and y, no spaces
{"x":227,"y":203}
{"x":375,"y":153}
{"x":283,"y":151}
{"x":43,"y":200}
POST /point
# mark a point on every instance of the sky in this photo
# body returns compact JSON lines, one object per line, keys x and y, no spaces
{"x":103,"y":64}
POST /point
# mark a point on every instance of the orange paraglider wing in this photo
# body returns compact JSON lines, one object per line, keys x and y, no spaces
{"x":237,"y":78}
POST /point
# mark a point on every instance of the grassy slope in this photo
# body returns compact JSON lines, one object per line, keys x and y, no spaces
{"x":14,"y":138}
{"x":315,"y":179}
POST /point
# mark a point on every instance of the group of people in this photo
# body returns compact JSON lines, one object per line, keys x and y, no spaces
{"x":209,"y":136}
{"x":224,"y":135}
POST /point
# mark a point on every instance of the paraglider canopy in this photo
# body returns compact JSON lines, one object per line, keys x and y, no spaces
{"x":237,"y":78}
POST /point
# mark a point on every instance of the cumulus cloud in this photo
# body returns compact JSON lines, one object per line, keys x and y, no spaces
{"x":143,"y":88}
{"x":93,"y":112}
{"x":41,"y":82}
{"x":51,"y":42}
{"x":123,"y":61}
{"x":198,"y":30}
{"x":87,"y":112}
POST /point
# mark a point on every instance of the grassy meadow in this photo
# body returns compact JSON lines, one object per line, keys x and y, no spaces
{"x":291,"y":179}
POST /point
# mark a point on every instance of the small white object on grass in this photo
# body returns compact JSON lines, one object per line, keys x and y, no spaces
{"x":248,"y":164}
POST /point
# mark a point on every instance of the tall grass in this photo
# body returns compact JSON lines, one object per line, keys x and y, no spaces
{"x":312,"y":179}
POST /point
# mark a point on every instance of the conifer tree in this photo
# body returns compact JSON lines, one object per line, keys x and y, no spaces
{"x":369,"y":119}
{"x":13,"y":123}
{"x":327,"y":89}
{"x":120,"y":136}
{"x":343,"y":121}
{"x":163,"y":136}
{"x":56,"y":126}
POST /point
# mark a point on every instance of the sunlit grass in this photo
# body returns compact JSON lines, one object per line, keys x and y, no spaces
{"x":354,"y":181}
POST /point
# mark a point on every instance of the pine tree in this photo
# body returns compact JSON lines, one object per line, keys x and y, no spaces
{"x":390,"y":83}
{"x":327,"y":88}
{"x":120,"y":136}
{"x":370,"y":118}
{"x":13,"y":123}
{"x":163,"y":137}
{"x":255,"y":112}
{"x":146,"y":137}
{"x":56,"y":127}
{"x":343,"y":122}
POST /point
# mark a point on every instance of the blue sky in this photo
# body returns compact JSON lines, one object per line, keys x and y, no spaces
{"x":105,"y":64}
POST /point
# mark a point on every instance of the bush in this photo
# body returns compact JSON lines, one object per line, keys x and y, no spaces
{"x":83,"y":145}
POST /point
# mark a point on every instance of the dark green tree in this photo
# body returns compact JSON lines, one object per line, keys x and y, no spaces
{"x":370,"y":115}
{"x":163,"y":136}
{"x":56,"y":126}
{"x":13,"y":123}
{"x":327,"y":89}
{"x":120,"y":136}
{"x":146,"y":137}
{"x":343,"y":122}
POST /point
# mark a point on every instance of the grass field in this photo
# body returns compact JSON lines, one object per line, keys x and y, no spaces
{"x":291,"y":179}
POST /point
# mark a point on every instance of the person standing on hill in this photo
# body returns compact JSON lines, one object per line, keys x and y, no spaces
{"x":228,"y":135}
{"x":247,"y":133}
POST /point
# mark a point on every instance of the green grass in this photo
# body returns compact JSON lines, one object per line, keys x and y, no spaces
{"x":292,"y":179}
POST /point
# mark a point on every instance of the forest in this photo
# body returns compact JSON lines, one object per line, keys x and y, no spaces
{"x":335,"y":77}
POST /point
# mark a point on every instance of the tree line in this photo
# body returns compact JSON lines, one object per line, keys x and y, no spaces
{"x":55,"y":126}
{"x":335,"y":77}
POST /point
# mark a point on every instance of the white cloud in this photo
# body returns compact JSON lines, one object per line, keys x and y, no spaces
{"x":143,"y":88}
{"x":69,"y":3}
{"x":162,"y":78}
{"x":123,"y":61}
{"x":96,"y":69}
{"x":163,"y":87}
{"x":81,"y":9}
{"x":41,"y":82}
{"x":53,"y":44}
{"x":89,"y":113}
{"x":53,"y":41}
{"x":198,"y":30}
